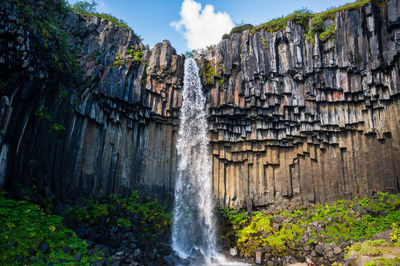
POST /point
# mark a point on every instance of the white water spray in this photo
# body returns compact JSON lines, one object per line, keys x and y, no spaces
{"x":193,"y":227}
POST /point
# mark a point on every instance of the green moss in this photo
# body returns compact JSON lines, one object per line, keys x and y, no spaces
{"x":43,"y":114}
{"x":264,"y":43}
{"x":241,"y":28}
{"x":118,"y":60}
{"x":136,"y":53}
{"x":149,"y":216}
{"x":302,"y":17}
{"x":123,"y":222}
{"x":395,"y":235}
{"x":210,"y":73}
{"x":221,"y":81}
{"x":58,"y":127}
{"x":328,"y":34}
{"x":299,"y":17}
{"x":339,"y":220}
{"x":259,"y":233}
{"x":318,"y":19}
{"x":27,"y":226}
{"x":367,"y":248}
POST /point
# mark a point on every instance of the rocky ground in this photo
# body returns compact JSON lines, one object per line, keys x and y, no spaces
{"x":291,"y":232}
{"x":136,"y":231}
{"x":108,"y":231}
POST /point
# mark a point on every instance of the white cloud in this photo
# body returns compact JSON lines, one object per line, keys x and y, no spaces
{"x":201,"y":27}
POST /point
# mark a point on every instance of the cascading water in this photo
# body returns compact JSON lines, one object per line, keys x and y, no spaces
{"x":193,"y":227}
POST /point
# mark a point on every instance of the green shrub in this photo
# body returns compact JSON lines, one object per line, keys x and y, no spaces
{"x":43,"y":114}
{"x":27,"y":226}
{"x":58,"y":127}
{"x":150,"y":216}
{"x":395,"y":235}
{"x":300,"y":17}
{"x":118,"y":60}
{"x":136,"y":54}
{"x":210,"y":73}
{"x":84,"y":7}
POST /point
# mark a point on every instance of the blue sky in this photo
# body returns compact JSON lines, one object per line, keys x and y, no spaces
{"x":155,"y":20}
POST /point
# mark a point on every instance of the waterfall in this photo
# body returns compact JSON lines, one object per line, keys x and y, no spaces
{"x":193,"y":226}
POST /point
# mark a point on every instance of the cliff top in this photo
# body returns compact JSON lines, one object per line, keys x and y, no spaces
{"x":312,"y":22}
{"x":89,"y":9}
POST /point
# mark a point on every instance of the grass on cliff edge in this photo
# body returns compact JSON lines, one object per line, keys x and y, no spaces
{"x":23,"y":228}
{"x":89,"y":9}
{"x":302,"y":17}
{"x":340,"y":223}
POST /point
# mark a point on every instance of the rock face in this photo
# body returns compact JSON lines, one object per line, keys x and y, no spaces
{"x":287,"y":117}
{"x":120,"y":116}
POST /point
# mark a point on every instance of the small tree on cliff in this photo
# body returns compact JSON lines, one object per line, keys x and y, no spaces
{"x":84,"y":7}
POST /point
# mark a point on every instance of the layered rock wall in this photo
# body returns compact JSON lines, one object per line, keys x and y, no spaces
{"x":119,"y":114}
{"x":316,"y":121}
{"x":288,"y":118}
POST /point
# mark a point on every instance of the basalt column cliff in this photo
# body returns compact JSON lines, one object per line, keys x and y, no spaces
{"x":293,"y":118}
{"x":110,"y":128}
{"x":288,"y":117}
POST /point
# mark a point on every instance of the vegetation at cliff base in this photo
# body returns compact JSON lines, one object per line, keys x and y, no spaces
{"x":288,"y":231}
{"x":28,"y":235}
{"x":143,"y":215}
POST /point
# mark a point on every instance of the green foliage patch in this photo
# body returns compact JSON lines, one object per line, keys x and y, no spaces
{"x":300,"y":17}
{"x":148,"y":216}
{"x":210,"y":73}
{"x":136,"y":53}
{"x":48,"y":24}
{"x":338,"y":222}
{"x":24,"y":226}
{"x":303,"y":17}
